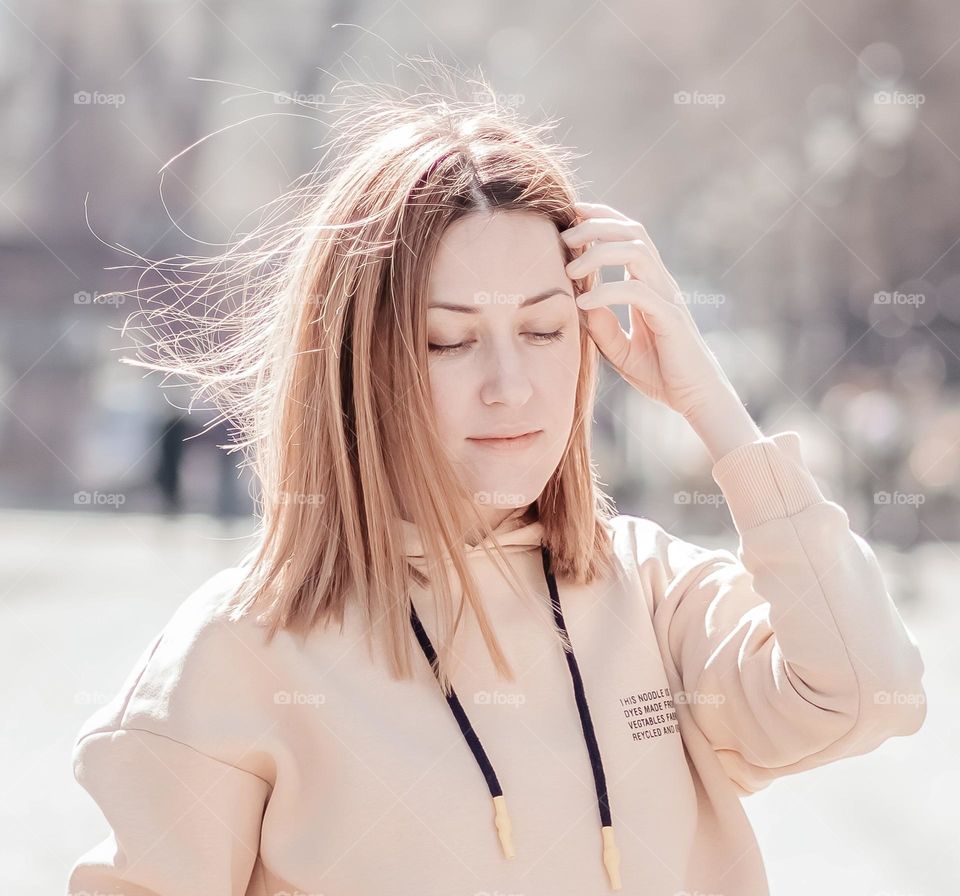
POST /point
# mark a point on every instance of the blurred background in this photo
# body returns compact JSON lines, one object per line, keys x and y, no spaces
{"x":797,"y":165}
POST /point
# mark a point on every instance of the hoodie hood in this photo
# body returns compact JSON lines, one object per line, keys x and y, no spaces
{"x":514,"y":534}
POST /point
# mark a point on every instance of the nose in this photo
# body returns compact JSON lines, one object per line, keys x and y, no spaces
{"x":506,"y":379}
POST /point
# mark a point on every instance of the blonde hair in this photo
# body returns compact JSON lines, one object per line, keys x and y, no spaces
{"x":314,"y":346}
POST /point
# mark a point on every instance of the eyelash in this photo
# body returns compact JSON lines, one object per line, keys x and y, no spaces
{"x":555,"y":336}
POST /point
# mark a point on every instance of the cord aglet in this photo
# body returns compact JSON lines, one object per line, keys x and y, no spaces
{"x":611,"y":857}
{"x":504,"y":828}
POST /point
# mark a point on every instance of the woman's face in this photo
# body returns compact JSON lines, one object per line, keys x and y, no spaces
{"x":500,"y":300}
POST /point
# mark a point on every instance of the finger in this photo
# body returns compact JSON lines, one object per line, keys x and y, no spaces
{"x":619,"y":347}
{"x":601,"y":229}
{"x":661,"y":316}
{"x":598,"y":210}
{"x":642,"y":338}
{"x":632,"y":252}
{"x":605,"y":330}
{"x":591,"y":209}
{"x":594,"y":211}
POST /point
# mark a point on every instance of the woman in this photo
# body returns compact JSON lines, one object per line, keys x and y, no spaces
{"x":523,"y":691}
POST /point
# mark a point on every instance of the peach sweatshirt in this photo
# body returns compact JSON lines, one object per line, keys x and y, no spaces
{"x":224,"y":766}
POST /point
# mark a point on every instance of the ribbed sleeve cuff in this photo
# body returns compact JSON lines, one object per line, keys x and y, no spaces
{"x":766,"y":479}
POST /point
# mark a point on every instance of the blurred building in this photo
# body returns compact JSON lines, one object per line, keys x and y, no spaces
{"x":797,"y":169}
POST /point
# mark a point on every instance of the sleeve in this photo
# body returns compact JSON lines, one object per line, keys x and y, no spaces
{"x":791,"y":654}
{"x":181,"y":823}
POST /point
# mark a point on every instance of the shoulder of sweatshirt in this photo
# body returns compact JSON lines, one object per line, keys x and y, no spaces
{"x":659,"y":557}
{"x":187,"y":683}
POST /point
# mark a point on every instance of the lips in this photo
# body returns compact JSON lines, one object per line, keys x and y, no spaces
{"x":507,"y":435}
{"x":507,"y":442}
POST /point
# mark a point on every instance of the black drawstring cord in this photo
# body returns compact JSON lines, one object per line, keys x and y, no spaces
{"x":610,"y":855}
{"x":501,"y":818}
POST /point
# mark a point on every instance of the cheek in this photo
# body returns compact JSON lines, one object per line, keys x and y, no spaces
{"x":449,"y":402}
{"x":562,"y":387}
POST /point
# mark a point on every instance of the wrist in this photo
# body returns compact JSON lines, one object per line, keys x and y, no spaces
{"x":725,"y":424}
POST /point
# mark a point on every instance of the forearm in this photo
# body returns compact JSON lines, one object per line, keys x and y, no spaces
{"x":724,"y":425}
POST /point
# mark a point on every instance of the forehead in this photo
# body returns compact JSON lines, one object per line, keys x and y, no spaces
{"x":506,"y":252}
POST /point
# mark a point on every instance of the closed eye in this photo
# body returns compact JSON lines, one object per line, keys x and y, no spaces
{"x":543,"y":338}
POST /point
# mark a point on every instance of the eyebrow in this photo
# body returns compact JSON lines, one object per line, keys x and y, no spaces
{"x":530,"y":300}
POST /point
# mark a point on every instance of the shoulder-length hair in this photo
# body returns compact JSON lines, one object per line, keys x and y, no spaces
{"x":314,"y":347}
